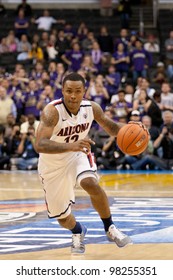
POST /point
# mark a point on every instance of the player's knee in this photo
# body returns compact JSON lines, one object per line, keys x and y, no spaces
{"x":91,"y":186}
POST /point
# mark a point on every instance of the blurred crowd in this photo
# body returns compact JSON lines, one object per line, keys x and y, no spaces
{"x":120,"y":75}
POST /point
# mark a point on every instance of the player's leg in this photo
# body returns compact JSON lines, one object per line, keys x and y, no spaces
{"x":101,"y":205}
{"x":78,"y":233}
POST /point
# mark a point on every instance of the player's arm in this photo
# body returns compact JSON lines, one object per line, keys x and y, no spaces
{"x":44,"y":144}
{"x":110,"y":126}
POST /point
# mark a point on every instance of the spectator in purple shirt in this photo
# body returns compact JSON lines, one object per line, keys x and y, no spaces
{"x":121,"y":60}
{"x":73,"y":58}
{"x":141,"y":60}
{"x":21,"y":24}
{"x":31,"y":100}
{"x":112,"y":80}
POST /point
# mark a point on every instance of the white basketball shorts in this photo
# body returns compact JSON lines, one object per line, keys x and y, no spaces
{"x":59,"y":182}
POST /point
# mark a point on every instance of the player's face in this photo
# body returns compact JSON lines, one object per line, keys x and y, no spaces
{"x":73,"y":92}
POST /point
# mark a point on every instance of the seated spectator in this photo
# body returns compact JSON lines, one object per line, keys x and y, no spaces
{"x":87,"y":66}
{"x":82,"y":31}
{"x":45,"y":97}
{"x":31,"y":97}
{"x":147,"y":106}
{"x":97,"y":92}
{"x":153,"y":130}
{"x":30,"y":122}
{"x":24,"y":47}
{"x":14,"y":140}
{"x":121,"y":107}
{"x":4,"y":48}
{"x":51,"y":48}
{"x":35,"y":54}
{"x":97,"y":56}
{"x":7,"y":106}
{"x":143,"y":83}
{"x":28,"y":158}
{"x":135,"y":116}
{"x":169,"y":54}
{"x":164,"y":162}
{"x":87,"y":43}
{"x":4,"y":153}
{"x":11,"y":121}
{"x":70,"y":32}
{"x":12,"y":43}
{"x":122,"y":38}
{"x":45,"y":22}
{"x":151,"y":44}
{"x":166,"y":97}
{"x":21,"y":25}
{"x":159,"y":76}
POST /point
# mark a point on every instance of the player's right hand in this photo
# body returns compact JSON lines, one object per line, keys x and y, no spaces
{"x":83,"y":146}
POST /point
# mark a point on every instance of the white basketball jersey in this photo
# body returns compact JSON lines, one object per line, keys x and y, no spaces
{"x":70,"y":128}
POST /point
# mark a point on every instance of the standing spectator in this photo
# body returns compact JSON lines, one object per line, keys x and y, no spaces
{"x":45,"y":22}
{"x":112,"y":81}
{"x":73,"y":58}
{"x":105,"y":40}
{"x":106,"y":8}
{"x":21,"y":25}
{"x":62,"y":44}
{"x":125,"y":12}
{"x":141,"y":60}
{"x":121,"y":60}
{"x":7,"y":106}
{"x":169,"y":54}
{"x":31,"y":98}
{"x":25,"y":7}
{"x":87,"y":43}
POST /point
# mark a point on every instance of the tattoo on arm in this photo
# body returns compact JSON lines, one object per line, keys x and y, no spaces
{"x":110,"y":126}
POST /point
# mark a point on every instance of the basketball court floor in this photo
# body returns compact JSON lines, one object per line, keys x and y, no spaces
{"x":141,"y":205}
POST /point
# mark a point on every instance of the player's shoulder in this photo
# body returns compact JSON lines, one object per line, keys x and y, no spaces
{"x":56,"y":102}
{"x":85,"y":103}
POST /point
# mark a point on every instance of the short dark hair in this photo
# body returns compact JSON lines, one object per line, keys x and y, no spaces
{"x":73,"y":77}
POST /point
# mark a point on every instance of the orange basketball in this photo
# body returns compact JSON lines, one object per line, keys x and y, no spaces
{"x":132,"y":139}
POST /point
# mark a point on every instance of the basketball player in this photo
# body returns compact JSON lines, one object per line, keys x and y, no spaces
{"x":66,"y":160}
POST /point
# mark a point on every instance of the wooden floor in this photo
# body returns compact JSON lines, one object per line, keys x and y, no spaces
{"x":21,"y":185}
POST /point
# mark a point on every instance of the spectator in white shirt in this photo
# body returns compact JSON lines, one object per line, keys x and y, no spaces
{"x":45,"y":22}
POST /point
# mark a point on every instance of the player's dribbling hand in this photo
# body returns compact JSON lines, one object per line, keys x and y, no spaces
{"x":141,"y":125}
